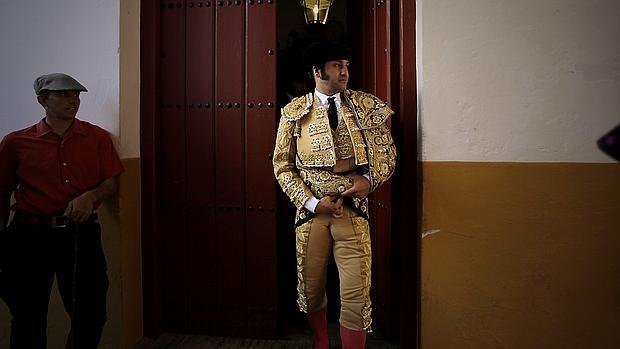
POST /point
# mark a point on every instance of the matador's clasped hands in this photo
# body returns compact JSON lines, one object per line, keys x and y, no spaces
{"x":333,"y":204}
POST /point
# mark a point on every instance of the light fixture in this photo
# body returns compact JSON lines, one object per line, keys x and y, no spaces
{"x":316,"y":11}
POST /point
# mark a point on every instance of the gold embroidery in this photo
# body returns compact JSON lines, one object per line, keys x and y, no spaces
{"x":305,"y":142}
{"x":342,"y":142}
{"x":324,"y":183}
{"x":326,"y":142}
{"x":297,"y":108}
{"x":356,"y":138}
{"x":364,"y":116}
{"x":316,"y":160}
{"x":316,"y":128}
{"x":372,"y":114}
{"x":314,"y":148}
{"x":302,"y":234}
{"x":320,"y":112}
{"x":284,"y":164}
{"x":381,"y":154}
{"x":361,"y":228}
{"x":315,"y":145}
{"x":370,"y":110}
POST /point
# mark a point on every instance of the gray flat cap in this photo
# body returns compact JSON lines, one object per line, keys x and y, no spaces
{"x":57,"y":82}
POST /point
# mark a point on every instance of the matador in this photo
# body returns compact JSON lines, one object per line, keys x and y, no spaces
{"x":333,"y":148}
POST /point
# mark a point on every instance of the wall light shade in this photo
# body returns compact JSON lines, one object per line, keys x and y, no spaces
{"x":316,"y":11}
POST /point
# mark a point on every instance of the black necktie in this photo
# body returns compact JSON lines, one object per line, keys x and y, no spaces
{"x":332,"y":113}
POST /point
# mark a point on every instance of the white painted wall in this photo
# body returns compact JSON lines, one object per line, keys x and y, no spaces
{"x":77,"y":37}
{"x":80,"y":38}
{"x":525,"y":81}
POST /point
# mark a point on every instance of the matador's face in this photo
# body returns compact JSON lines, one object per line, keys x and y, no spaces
{"x":334,"y":77}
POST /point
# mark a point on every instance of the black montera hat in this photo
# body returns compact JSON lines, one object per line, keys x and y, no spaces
{"x":317,"y":53}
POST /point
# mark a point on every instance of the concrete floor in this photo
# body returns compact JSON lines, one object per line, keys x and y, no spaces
{"x":301,"y":339}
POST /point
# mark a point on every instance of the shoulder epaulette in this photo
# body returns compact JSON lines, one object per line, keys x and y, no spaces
{"x":371,"y":111}
{"x":298,"y":107}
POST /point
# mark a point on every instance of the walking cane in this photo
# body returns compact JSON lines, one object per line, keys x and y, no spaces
{"x":76,"y":233}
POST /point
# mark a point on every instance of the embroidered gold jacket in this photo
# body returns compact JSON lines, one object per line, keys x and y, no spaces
{"x":305,"y":154}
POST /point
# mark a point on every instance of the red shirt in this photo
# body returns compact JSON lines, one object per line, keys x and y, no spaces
{"x":47,"y":171}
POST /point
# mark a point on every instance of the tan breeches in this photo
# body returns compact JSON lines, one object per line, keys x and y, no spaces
{"x":349,"y":239}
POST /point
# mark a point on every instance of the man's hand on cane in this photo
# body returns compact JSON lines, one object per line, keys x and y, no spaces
{"x":79,"y":209}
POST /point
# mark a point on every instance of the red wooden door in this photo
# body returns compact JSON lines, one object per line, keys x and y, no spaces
{"x":171,"y":168}
{"x":229,"y":167}
{"x":209,"y":238}
{"x":201,"y":313}
{"x":260,"y":129}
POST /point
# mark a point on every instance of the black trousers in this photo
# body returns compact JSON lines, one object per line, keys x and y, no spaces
{"x":30,"y":257}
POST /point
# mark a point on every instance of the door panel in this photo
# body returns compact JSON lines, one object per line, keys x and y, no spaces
{"x":202,"y":264}
{"x":172,"y":167}
{"x":260,"y":193}
{"x":229,"y":168}
{"x":208,"y":273}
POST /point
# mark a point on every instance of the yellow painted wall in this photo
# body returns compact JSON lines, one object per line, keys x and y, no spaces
{"x":520,"y":255}
{"x":130,"y":254}
{"x":129,"y":197}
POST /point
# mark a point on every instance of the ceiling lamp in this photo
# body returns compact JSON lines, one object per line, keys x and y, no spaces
{"x":316,"y":11}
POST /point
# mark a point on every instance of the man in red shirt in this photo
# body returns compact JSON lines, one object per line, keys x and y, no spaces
{"x":59,"y":171}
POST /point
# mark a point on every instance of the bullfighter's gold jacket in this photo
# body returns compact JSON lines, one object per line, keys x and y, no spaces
{"x":307,"y":150}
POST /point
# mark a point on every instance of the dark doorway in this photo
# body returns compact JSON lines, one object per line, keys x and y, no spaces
{"x":293,"y":36}
{"x":358,"y":25}
{"x":383,"y":66}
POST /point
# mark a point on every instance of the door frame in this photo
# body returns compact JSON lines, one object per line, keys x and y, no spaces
{"x":149,"y":94}
{"x":407,"y":199}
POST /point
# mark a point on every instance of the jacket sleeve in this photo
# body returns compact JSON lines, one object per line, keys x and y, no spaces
{"x":372,"y":116}
{"x":284,"y":166}
{"x":381,"y":155}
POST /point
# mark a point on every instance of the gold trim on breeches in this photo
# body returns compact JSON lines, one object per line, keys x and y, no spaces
{"x":348,"y":238}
